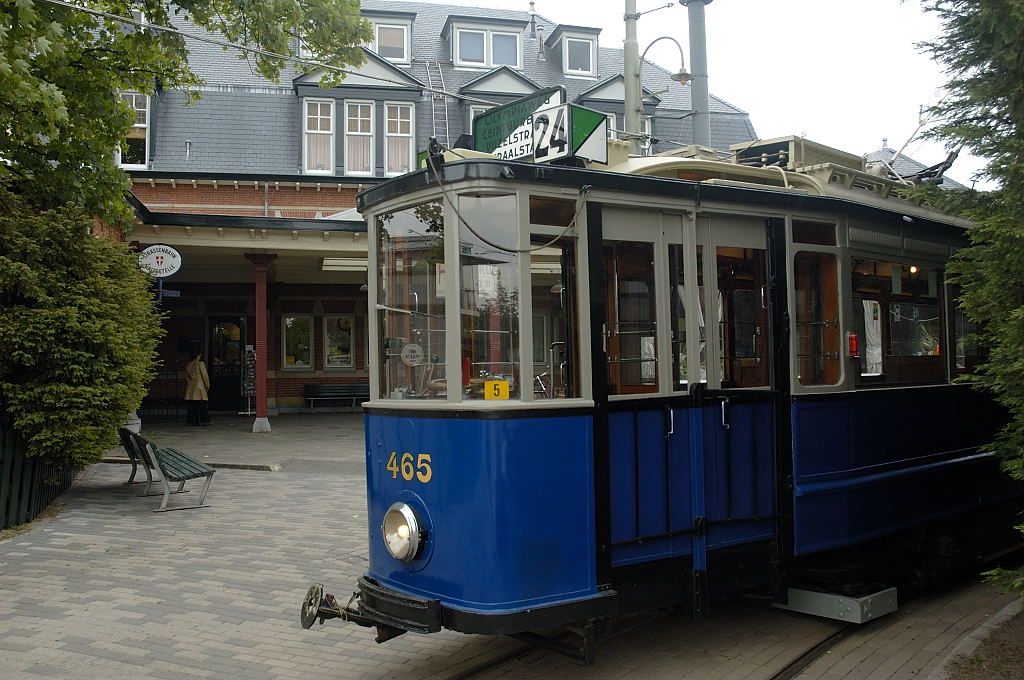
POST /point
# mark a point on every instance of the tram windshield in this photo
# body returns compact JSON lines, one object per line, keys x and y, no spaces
{"x":410,"y":303}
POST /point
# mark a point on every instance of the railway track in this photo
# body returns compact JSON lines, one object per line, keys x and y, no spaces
{"x":788,"y":672}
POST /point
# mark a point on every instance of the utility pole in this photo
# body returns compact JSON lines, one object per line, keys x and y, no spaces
{"x":631,"y":75}
{"x":701,"y":100}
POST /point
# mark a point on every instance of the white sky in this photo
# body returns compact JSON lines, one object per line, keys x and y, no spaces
{"x":844,"y":73}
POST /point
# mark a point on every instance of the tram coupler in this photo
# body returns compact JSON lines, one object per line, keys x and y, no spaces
{"x":319,"y":606}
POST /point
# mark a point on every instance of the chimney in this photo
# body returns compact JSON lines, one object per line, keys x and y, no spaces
{"x":540,"y":44}
{"x":533,"y":20}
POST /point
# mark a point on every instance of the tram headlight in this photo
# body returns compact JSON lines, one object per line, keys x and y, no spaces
{"x":403,"y":536}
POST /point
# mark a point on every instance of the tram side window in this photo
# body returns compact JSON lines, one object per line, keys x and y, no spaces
{"x":970,"y":352}
{"x":410,"y":303}
{"x":898,"y":316}
{"x":743,"y":317}
{"x":630,"y":317}
{"x":677,"y":290}
{"x":553,"y":294}
{"x":817,"y":318}
{"x":489,"y":297}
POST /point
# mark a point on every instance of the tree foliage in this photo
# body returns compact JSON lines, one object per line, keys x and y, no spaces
{"x":77,"y":327}
{"x":983,"y":52}
{"x":77,"y":323}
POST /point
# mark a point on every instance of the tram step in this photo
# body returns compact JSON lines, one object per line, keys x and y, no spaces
{"x":841,"y":607}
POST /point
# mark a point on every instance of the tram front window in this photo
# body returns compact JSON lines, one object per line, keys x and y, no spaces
{"x":489,"y":297}
{"x":410,"y":303}
{"x":631,"y":317}
{"x":677,"y":290}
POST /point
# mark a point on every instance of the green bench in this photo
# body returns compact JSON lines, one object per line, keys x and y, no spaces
{"x":172,"y":467}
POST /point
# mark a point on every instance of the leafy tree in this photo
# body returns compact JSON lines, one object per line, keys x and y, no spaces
{"x":982,"y":50}
{"x":77,"y":323}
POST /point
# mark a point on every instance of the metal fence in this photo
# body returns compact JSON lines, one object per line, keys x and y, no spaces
{"x":27,"y":485}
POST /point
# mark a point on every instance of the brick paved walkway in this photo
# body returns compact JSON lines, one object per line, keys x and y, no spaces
{"x":108,"y":589}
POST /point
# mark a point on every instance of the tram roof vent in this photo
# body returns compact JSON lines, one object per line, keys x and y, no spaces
{"x":792,"y":153}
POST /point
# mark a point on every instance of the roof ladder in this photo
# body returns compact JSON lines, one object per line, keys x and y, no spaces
{"x":438,"y":102}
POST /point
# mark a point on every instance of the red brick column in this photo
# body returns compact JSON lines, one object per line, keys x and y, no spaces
{"x":260,"y":265}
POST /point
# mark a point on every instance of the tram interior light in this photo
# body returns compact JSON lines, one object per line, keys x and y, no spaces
{"x":403,"y":536}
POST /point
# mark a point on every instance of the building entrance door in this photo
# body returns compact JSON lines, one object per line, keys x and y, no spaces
{"x":224,"y":361}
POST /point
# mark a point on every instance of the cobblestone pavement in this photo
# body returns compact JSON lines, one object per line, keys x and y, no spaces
{"x":108,"y":589}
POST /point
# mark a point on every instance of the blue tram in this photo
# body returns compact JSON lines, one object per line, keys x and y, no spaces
{"x":600,"y":392}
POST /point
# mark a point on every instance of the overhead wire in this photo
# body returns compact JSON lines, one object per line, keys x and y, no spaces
{"x":581,"y":202}
{"x":252,"y":50}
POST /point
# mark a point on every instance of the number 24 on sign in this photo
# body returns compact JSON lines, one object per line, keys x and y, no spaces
{"x":421,"y":471}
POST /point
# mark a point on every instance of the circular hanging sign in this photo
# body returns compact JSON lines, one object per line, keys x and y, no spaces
{"x":412,"y":354}
{"x":160,"y":261}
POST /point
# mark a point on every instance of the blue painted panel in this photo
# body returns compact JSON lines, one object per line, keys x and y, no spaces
{"x":739,"y":473}
{"x":501,"y":538}
{"x":877,"y":461}
{"x":746,"y":480}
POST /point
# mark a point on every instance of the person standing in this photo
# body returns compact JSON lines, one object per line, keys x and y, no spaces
{"x":197,"y":388}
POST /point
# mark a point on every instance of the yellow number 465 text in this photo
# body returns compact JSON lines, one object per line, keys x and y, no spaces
{"x":404,"y":466}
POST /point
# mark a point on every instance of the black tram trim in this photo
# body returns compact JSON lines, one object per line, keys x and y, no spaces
{"x":599,"y":386}
{"x":778,"y":268}
{"x":497,"y":170}
{"x":479,"y":414}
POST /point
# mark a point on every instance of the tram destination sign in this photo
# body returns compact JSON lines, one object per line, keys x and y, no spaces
{"x":542,"y":127}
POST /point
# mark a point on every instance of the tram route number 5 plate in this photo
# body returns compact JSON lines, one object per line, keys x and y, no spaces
{"x":496,"y":389}
{"x":551,"y":135}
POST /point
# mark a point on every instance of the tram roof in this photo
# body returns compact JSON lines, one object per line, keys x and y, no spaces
{"x":727,"y":183}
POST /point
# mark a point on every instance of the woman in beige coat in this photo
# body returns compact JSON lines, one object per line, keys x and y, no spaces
{"x":197,"y":389}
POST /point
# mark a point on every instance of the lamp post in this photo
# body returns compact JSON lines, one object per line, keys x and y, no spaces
{"x":633,"y":71}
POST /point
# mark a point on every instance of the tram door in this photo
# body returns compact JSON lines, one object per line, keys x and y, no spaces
{"x":736,"y":405}
{"x":687,"y":338}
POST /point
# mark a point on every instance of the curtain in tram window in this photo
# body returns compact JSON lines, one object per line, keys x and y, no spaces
{"x":872,"y":337}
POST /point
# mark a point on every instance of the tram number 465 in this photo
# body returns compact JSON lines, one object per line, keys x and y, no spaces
{"x":404,"y":466}
{"x":551,"y":134}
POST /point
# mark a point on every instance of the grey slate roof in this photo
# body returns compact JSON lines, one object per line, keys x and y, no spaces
{"x":905,"y":165}
{"x":245,"y":123}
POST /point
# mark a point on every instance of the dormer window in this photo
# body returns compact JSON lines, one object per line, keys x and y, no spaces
{"x":486,"y":48}
{"x":577,"y":46}
{"x":485,"y":44}
{"x":578,"y":56}
{"x":392,"y":35}
{"x":392,"y":42}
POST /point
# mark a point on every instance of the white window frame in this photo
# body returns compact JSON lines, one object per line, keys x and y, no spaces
{"x":474,"y":111}
{"x":284,"y":343}
{"x":488,"y":34}
{"x":352,"y":341}
{"x":519,"y":49}
{"x":306,"y":131}
{"x":612,"y":125}
{"x":372,"y":135}
{"x":117,"y":151}
{"x":411,"y":137}
{"x":406,"y":50}
{"x":589,"y":73}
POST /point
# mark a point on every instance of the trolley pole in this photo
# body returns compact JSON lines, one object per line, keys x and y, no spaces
{"x":631,"y":63}
{"x":701,"y":100}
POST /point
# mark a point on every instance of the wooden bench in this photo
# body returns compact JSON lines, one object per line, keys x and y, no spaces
{"x":173,"y":466}
{"x":352,"y":393}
